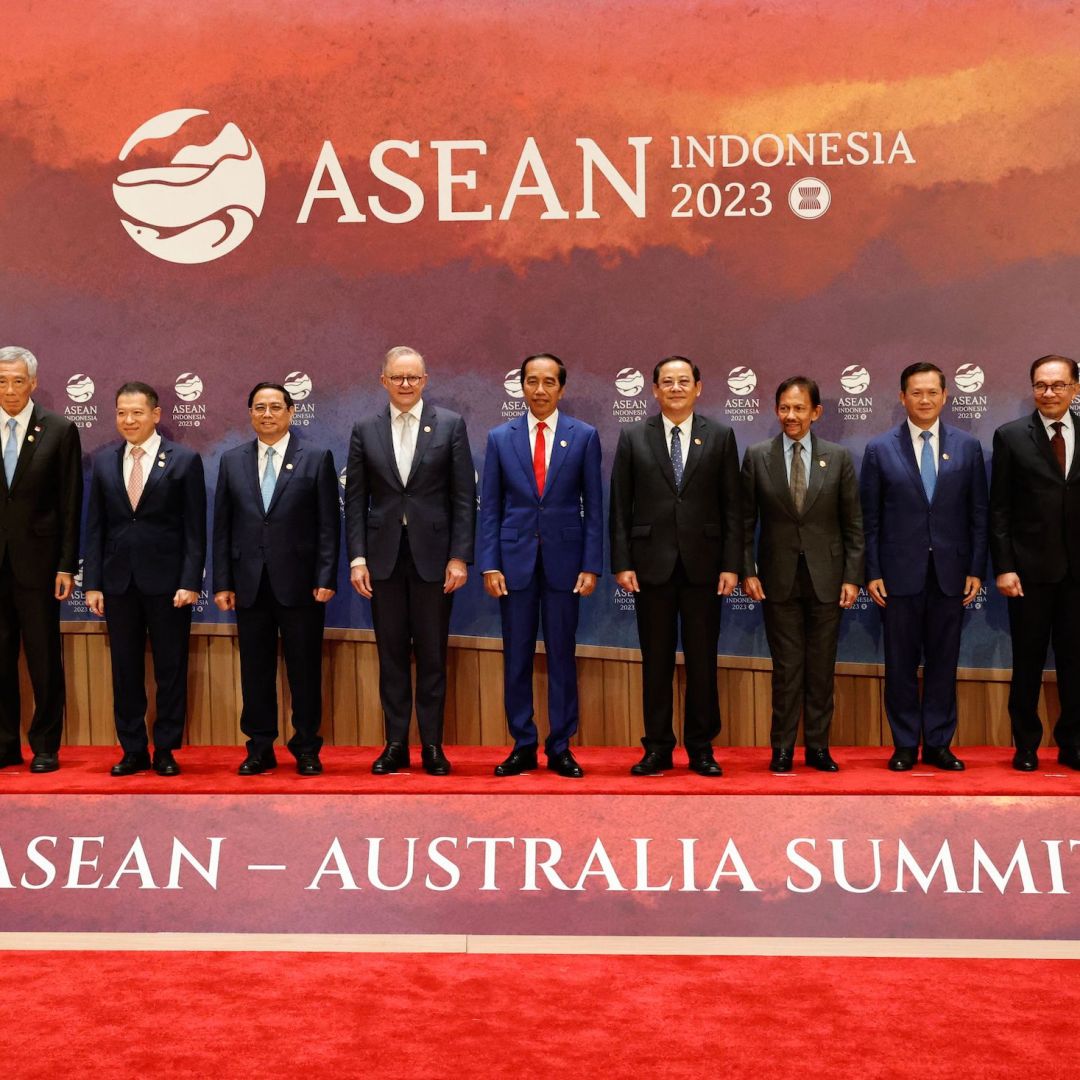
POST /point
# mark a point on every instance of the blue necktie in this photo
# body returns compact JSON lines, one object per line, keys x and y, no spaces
{"x":926,"y":466}
{"x":11,"y":451}
{"x":676,"y":456}
{"x":269,"y":478}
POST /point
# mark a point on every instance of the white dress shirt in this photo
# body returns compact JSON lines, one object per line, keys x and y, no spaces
{"x":1068,"y":433}
{"x":551,"y":422}
{"x":917,"y":441}
{"x":684,"y":435}
{"x":148,"y":462}
{"x":279,"y":449}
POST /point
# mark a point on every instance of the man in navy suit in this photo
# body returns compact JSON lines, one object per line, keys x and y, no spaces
{"x":541,"y":550}
{"x":924,"y":497}
{"x":277,"y":534}
{"x":143,"y":568}
{"x":410,"y":514}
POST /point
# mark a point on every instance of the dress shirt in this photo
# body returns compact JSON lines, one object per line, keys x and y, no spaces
{"x":279,"y":455}
{"x":552,"y":422}
{"x":1068,"y":433}
{"x":806,"y":442}
{"x":684,"y":435}
{"x":917,"y":442}
{"x":148,"y":462}
{"x":22,"y":421}
{"x":397,"y":429}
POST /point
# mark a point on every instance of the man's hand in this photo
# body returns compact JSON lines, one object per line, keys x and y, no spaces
{"x":322,"y":595}
{"x":876,"y":589}
{"x":848,"y":594}
{"x":360,"y":577}
{"x":184,"y":598}
{"x":495,"y":584}
{"x":586,"y":582}
{"x":225,"y":601}
{"x":457,"y":573}
{"x":726,"y":585}
{"x":752,"y":587}
{"x":627,"y":581}
{"x":971,"y":588}
{"x":95,"y":601}
{"x":1009,"y":584}
{"x":64,"y":584}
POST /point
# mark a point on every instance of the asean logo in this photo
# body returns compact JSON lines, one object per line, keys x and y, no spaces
{"x":854,"y":379}
{"x":742,"y":381}
{"x":188,"y":386}
{"x":512,"y":383}
{"x":298,"y":383}
{"x":629,"y":382}
{"x":199,"y":205}
{"x":80,"y":388}
{"x":969,"y":378}
{"x":809,"y":198}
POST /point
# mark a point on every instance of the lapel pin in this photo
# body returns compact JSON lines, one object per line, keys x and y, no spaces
{"x":821,"y":462}
{"x":563,"y":443}
{"x":37,"y":428}
{"x":29,"y":438}
{"x":944,"y":457}
{"x":427,"y":429}
{"x":161,"y":463}
{"x":697,"y":442}
{"x":289,"y":466}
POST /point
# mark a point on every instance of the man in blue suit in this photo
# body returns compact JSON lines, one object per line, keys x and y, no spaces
{"x":143,"y":569}
{"x":924,"y":497}
{"x":277,"y":532}
{"x":541,"y":549}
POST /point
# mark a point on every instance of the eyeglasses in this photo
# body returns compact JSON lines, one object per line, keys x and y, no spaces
{"x":1041,"y":388}
{"x":671,"y":384}
{"x":406,"y":380}
{"x":274,"y":410}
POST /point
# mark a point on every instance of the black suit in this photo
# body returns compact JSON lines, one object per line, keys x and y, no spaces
{"x":39,"y":537}
{"x":1035,"y":533}
{"x":802,"y":560}
{"x":138,"y":559}
{"x":273,"y":559}
{"x":678,"y":540}
{"x":407,"y":563}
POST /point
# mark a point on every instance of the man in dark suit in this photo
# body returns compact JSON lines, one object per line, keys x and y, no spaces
{"x":39,"y":548}
{"x":677,"y":545}
{"x":410,"y":511}
{"x":142,"y":569}
{"x":808,"y":569}
{"x":924,"y":499}
{"x":541,"y":550}
{"x":1035,"y":549}
{"x":277,"y":535}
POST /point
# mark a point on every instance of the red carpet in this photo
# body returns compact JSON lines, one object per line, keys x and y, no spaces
{"x":85,"y":769}
{"x":239,"y":1016}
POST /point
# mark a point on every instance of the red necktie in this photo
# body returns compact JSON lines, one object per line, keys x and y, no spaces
{"x":540,"y":458}
{"x":1057,"y":444}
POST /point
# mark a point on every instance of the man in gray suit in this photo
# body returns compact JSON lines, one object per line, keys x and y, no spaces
{"x":803,"y":492}
{"x":410,"y":520}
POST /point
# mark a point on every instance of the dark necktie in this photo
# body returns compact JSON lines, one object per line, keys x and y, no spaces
{"x":676,"y":456}
{"x":798,"y":477}
{"x":1057,"y":444}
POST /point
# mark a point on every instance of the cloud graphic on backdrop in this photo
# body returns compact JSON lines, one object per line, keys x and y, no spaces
{"x":969,"y":378}
{"x":203,"y":203}
{"x":855,"y":379}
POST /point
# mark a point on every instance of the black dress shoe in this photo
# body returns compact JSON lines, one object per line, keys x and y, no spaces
{"x":165,"y":764}
{"x":308,"y":765}
{"x":903,"y":758}
{"x":652,"y":763}
{"x":519,"y":760}
{"x":781,"y":760}
{"x":704,"y":764}
{"x":254,"y":764}
{"x":818,"y":757}
{"x":1025,"y":760}
{"x":45,"y":763}
{"x":434,"y":760}
{"x":131,"y":763}
{"x":565,"y":764}
{"x":395,"y":756}
{"x":941,"y":757}
{"x":1069,"y":756}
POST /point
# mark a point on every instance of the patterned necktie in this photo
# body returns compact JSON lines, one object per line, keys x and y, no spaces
{"x":798,"y":477}
{"x":540,"y":457}
{"x":926,"y":465}
{"x":406,"y":447}
{"x":676,"y":455}
{"x":269,"y":478}
{"x":11,"y":451}
{"x":1057,"y":444}
{"x":136,"y":479}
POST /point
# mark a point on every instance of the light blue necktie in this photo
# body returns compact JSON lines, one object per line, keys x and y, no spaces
{"x":11,"y":451}
{"x":676,"y":456}
{"x":269,"y":478}
{"x":926,"y":466}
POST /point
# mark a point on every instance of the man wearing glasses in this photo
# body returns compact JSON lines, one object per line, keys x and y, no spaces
{"x":410,"y":508}
{"x":1035,"y":548}
{"x":277,"y":535}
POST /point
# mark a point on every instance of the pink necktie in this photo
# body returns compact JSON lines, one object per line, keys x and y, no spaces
{"x":135,"y":480}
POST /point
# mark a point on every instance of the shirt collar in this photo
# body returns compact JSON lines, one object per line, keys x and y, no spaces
{"x":279,"y":447}
{"x":1067,"y":422}
{"x":806,"y":442}
{"x":552,"y":421}
{"x":22,"y":417}
{"x":415,"y":412}
{"x":685,"y":427}
{"x":150,"y":445}
{"x":916,"y":432}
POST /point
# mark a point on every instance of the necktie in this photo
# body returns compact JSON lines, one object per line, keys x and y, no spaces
{"x":406,"y":447}
{"x":269,"y":478}
{"x":676,"y":456}
{"x":136,"y":479}
{"x":798,"y":477}
{"x":11,"y":451}
{"x":540,"y":457}
{"x":926,"y":465}
{"x":1057,"y":444}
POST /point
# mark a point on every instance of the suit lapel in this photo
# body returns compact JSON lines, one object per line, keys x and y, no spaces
{"x":777,"y":469}
{"x":425,"y":432}
{"x":906,"y":450}
{"x":519,"y":437}
{"x":1041,"y":440}
{"x":562,"y":441}
{"x":251,"y":467}
{"x":35,"y":432}
{"x":654,"y":436}
{"x":694,"y":450}
{"x":386,"y":441}
{"x":816,"y":468}
{"x":285,"y":471}
{"x":152,"y":468}
{"x":1074,"y":469}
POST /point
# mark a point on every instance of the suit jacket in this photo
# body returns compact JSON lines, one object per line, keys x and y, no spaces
{"x":564,"y":527}
{"x":1034,"y":510}
{"x":653,"y":523}
{"x":161,"y":545}
{"x":297,"y":540}
{"x":438,"y":499}
{"x":902,"y":525}
{"x":40,"y":513}
{"x":828,"y":532}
